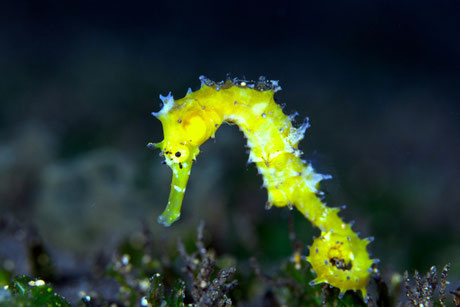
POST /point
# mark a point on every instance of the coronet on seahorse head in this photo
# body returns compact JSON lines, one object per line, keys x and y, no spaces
{"x":185,"y":128}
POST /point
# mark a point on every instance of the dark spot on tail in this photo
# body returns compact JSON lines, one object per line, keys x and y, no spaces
{"x":340,"y":264}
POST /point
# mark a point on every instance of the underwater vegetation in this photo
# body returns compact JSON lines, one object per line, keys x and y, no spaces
{"x":143,"y":274}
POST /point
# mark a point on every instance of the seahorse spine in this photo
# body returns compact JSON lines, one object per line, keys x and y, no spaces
{"x":338,"y":257}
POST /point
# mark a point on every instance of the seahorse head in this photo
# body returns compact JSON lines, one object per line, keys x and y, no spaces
{"x":184,"y":129}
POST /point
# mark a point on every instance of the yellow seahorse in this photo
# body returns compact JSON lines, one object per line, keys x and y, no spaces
{"x":338,"y":257}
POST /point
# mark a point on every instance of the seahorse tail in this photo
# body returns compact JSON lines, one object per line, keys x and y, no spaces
{"x":341,"y":261}
{"x":338,"y":257}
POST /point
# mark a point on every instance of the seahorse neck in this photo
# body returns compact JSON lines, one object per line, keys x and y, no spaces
{"x":273,"y":142}
{"x":271,"y":138}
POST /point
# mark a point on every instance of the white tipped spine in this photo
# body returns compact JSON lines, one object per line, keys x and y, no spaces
{"x":168,"y":102}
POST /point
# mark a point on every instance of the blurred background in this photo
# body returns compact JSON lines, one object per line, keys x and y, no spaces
{"x":378,"y":80}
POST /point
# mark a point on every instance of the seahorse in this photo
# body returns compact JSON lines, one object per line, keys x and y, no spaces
{"x":338,"y":256}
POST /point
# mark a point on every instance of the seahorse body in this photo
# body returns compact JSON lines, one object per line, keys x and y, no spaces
{"x":338,"y":257}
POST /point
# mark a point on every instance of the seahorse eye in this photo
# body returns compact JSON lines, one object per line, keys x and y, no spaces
{"x":178,"y":154}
